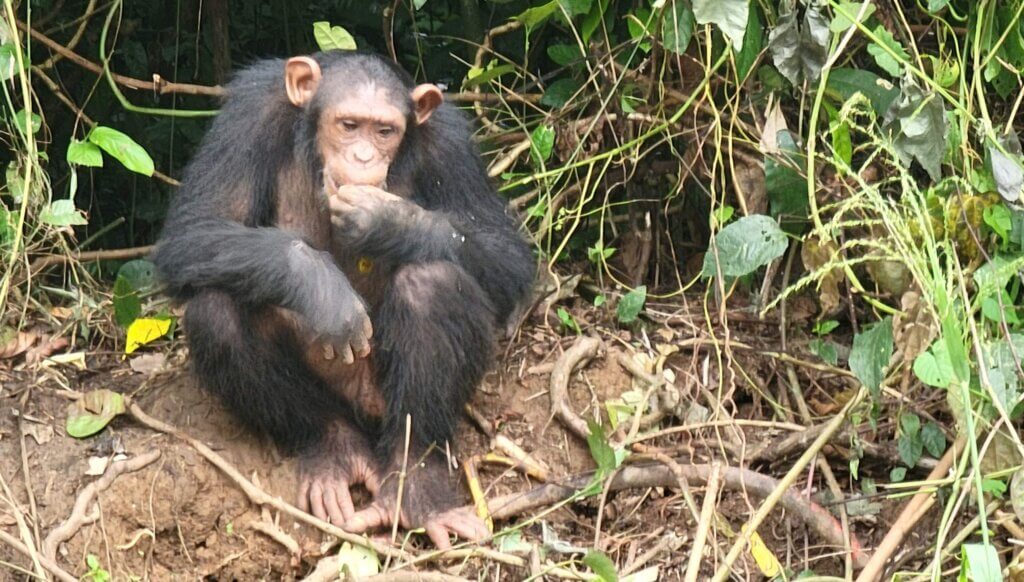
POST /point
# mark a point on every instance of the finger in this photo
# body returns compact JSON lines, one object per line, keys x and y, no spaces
{"x":333,"y":507}
{"x":361,"y":345}
{"x":369,"y":518}
{"x":367,"y":328}
{"x":316,"y":498}
{"x":438,"y":534}
{"x":372,"y":483}
{"x":345,"y":352}
{"x":344,"y":497}
{"x":303,"y":501}
{"x":467,"y":527}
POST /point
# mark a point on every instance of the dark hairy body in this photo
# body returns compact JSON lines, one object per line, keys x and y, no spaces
{"x":346,"y":265}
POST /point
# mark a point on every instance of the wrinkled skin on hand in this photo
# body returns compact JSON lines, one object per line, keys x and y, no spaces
{"x":358,"y":211}
{"x":429,"y":500}
{"x":327,"y":476}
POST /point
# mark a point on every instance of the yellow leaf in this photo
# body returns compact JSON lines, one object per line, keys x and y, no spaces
{"x":766,"y":560}
{"x":143,"y":331}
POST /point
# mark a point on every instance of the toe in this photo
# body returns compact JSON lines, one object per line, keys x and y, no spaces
{"x":369,"y":518}
{"x":438,"y":534}
{"x":316,"y":499}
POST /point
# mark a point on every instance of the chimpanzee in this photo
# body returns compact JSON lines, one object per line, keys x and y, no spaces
{"x":345,"y":264}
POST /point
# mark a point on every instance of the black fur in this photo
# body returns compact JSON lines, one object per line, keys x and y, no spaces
{"x":457,"y":276}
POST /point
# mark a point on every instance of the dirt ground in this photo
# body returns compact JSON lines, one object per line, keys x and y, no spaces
{"x":180,"y":518}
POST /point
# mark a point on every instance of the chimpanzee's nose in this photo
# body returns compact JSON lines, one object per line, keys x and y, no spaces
{"x":363,"y":153}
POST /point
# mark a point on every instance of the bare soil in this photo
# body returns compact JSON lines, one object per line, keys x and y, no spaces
{"x":182,"y":519}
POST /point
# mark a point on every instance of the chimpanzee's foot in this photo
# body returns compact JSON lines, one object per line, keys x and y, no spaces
{"x":429,"y":500}
{"x":327,"y":473}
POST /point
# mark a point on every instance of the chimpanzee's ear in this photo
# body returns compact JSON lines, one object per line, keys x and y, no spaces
{"x":426,"y":98}
{"x":301,"y":78}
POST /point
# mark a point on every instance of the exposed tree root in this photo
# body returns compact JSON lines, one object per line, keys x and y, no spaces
{"x":584,"y":349}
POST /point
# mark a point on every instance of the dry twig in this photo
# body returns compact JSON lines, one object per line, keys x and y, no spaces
{"x":584,"y":349}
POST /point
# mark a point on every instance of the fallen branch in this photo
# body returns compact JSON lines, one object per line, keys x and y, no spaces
{"x":50,"y":565}
{"x":584,"y":349}
{"x":912,"y":512}
{"x":733,"y":478}
{"x":86,"y":256}
{"x":78,"y":517}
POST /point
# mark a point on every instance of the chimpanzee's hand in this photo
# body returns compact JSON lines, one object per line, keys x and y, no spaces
{"x":327,"y":474}
{"x":358,"y":211}
{"x":329,"y":304}
{"x":429,"y":501}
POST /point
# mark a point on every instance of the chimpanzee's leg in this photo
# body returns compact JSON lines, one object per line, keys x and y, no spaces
{"x":433,"y":339}
{"x":254,"y":362}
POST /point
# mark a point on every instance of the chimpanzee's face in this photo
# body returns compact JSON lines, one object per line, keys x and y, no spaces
{"x":361,"y":126}
{"x":359,"y":137}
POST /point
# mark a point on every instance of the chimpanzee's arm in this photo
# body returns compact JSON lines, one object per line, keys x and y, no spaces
{"x":257,"y":266}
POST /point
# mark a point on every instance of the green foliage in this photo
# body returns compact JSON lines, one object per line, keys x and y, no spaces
{"x":122,"y":148}
{"x":601,"y":565}
{"x":743,"y":246}
{"x":93,"y":412}
{"x":333,"y":38}
{"x":870,"y":354}
{"x":96,"y":572}
{"x":631,"y":304}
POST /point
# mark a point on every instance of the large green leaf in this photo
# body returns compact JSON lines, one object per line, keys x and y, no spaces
{"x":785,"y":184}
{"x":753,"y":42}
{"x":799,"y":52}
{"x":1006,"y":167}
{"x":917,"y":122}
{"x":88,"y":415}
{"x":127,"y":304}
{"x":883,"y":58}
{"x":84,"y":153}
{"x":870,"y":355}
{"x":123,"y":149}
{"x":729,"y":15}
{"x":677,"y":27}
{"x":332,"y":38}
{"x":743,"y":246}
{"x":847,"y":82}
{"x":631,"y":305}
{"x":62,"y":213}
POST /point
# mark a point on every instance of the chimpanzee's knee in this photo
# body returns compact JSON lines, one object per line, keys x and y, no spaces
{"x":441,"y":289}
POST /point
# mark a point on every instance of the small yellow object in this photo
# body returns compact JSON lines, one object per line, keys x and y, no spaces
{"x":365,"y":265}
{"x":766,"y":560}
{"x":142,"y":331}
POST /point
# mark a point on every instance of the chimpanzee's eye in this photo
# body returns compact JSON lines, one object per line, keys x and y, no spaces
{"x":386,"y":131}
{"x":349,"y":125}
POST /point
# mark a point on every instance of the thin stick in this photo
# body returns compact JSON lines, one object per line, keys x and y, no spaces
{"x":584,"y":349}
{"x":707,"y":516}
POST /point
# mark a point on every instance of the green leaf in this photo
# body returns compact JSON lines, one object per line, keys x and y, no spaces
{"x":981,"y":562}
{"x":19,"y":121}
{"x":936,"y":5}
{"x":910,"y":450}
{"x":933,"y":439}
{"x":677,"y":27}
{"x":542,"y":141}
{"x":575,"y":7}
{"x":845,"y":14}
{"x":744,"y":246}
{"x":729,"y":15}
{"x":848,"y":82}
{"x":631,"y":304}
{"x":897,"y":474}
{"x":8,"y":61}
{"x":597,"y":253}
{"x":127,"y":304}
{"x":7,"y":230}
{"x":419,"y":4}
{"x":917,"y":122}
{"x":62,"y":213}
{"x":799,"y":52}
{"x":933,"y":367}
{"x":998,"y":218}
{"x":123,"y":149}
{"x":332,"y":38}
{"x":910,"y":424}
{"x":886,"y":61}
{"x":559,"y":93}
{"x":600,"y":450}
{"x":825,"y":350}
{"x":994,"y":487}
{"x":531,"y":17}
{"x":1006,"y":167}
{"x":600,"y":300}
{"x":753,"y":42}
{"x":140,"y":273}
{"x":825,"y":327}
{"x":568,"y":322}
{"x":1000,"y":367}
{"x":870,"y":354}
{"x":602,"y":565}
{"x":993,"y":311}
{"x":84,"y":153}
{"x":88,"y":415}
{"x":564,"y":54}
{"x":784,"y":181}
